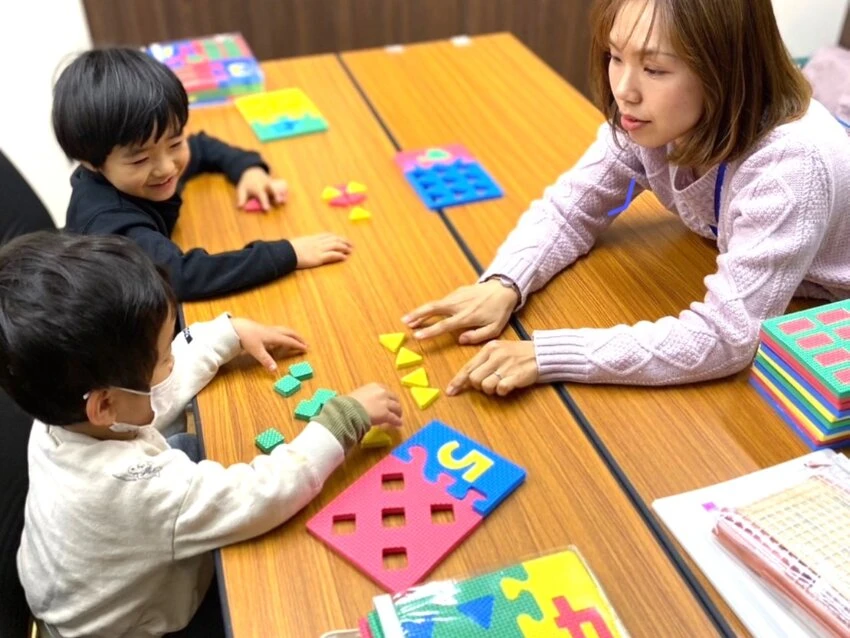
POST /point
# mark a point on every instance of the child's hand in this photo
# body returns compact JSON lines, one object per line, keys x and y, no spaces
{"x":380,"y":404}
{"x":499,"y":368}
{"x":256,"y":183}
{"x":317,"y":250}
{"x":257,"y":340}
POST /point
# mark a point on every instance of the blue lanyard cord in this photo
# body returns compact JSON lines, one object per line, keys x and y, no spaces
{"x":718,"y":190}
{"x":629,"y":196}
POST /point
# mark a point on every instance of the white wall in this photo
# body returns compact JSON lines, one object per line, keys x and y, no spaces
{"x":35,"y":36}
{"x":807,"y":25}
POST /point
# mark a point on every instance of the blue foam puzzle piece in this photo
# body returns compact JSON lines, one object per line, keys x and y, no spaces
{"x":495,"y":483}
{"x":420,"y":628}
{"x":480,"y":610}
{"x":460,"y":182}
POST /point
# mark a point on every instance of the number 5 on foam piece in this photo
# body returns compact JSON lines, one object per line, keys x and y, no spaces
{"x":472,"y":465}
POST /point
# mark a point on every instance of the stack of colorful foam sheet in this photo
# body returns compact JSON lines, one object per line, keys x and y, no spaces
{"x":802,"y":369}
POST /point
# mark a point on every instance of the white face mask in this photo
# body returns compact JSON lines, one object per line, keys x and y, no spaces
{"x":162,"y":404}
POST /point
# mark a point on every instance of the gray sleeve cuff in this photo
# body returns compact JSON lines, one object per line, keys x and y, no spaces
{"x":346,"y":419}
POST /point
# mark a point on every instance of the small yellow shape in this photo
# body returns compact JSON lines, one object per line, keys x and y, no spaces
{"x":424,"y":396}
{"x":407,"y":358}
{"x":392,"y":340}
{"x":355,"y":187}
{"x":376,"y":437}
{"x":358,"y":214}
{"x":330,"y":193}
{"x":417,"y":378}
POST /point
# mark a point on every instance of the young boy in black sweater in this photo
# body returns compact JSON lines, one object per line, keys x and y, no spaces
{"x":121,"y":114}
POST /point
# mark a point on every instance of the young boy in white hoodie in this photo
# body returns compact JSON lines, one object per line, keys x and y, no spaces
{"x":119,"y":524}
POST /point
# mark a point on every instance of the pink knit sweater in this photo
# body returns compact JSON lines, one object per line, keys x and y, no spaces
{"x":784,"y":228}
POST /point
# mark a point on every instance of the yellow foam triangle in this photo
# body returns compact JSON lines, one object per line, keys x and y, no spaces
{"x":392,"y":340}
{"x":376,"y":437}
{"x":330,"y":193}
{"x":407,"y":358}
{"x":358,"y":214}
{"x":417,"y":378}
{"x":424,"y":396}
{"x":355,"y":187}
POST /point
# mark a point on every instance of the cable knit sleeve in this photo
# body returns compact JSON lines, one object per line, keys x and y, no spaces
{"x":564,"y":224}
{"x":772,"y":223}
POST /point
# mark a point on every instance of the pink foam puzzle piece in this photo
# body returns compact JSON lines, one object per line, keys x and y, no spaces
{"x":347,"y":199}
{"x":427,"y":157}
{"x":253,"y":206}
{"x":425,"y":543}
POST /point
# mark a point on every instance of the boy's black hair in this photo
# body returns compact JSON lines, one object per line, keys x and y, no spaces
{"x":77,"y":313}
{"x":115,"y":97}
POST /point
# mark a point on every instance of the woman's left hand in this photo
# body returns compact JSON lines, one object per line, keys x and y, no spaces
{"x":499,"y":368}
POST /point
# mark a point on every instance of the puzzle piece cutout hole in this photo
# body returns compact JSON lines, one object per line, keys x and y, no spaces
{"x":392,"y":482}
{"x":344,"y":524}
{"x":395,"y":558}
{"x":393,"y":517}
{"x":442,"y":514}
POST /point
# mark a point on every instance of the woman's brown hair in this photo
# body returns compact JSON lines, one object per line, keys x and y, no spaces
{"x":749,"y":81}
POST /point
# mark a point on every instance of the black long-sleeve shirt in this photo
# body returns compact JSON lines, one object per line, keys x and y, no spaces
{"x":97,"y":207}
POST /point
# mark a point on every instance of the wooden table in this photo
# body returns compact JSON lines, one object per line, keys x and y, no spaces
{"x":289,"y":584}
{"x":527,"y":127}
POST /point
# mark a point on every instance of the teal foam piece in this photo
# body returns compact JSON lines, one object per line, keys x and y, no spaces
{"x":287,"y":386}
{"x":269,"y":440}
{"x":301,"y":371}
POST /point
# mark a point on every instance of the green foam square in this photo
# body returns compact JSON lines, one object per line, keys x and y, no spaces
{"x":287,"y":386}
{"x":301,"y":370}
{"x":269,"y":440}
{"x":306,"y":410}
{"x":323,"y":395}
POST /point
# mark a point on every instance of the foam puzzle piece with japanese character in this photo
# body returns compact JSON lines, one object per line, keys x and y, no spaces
{"x":553,"y":596}
{"x":472,"y":465}
{"x":568,"y":596}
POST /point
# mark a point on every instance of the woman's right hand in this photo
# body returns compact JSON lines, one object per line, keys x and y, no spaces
{"x":481,"y":310}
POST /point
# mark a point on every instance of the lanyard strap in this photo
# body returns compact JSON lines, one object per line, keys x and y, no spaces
{"x":718,"y":189}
